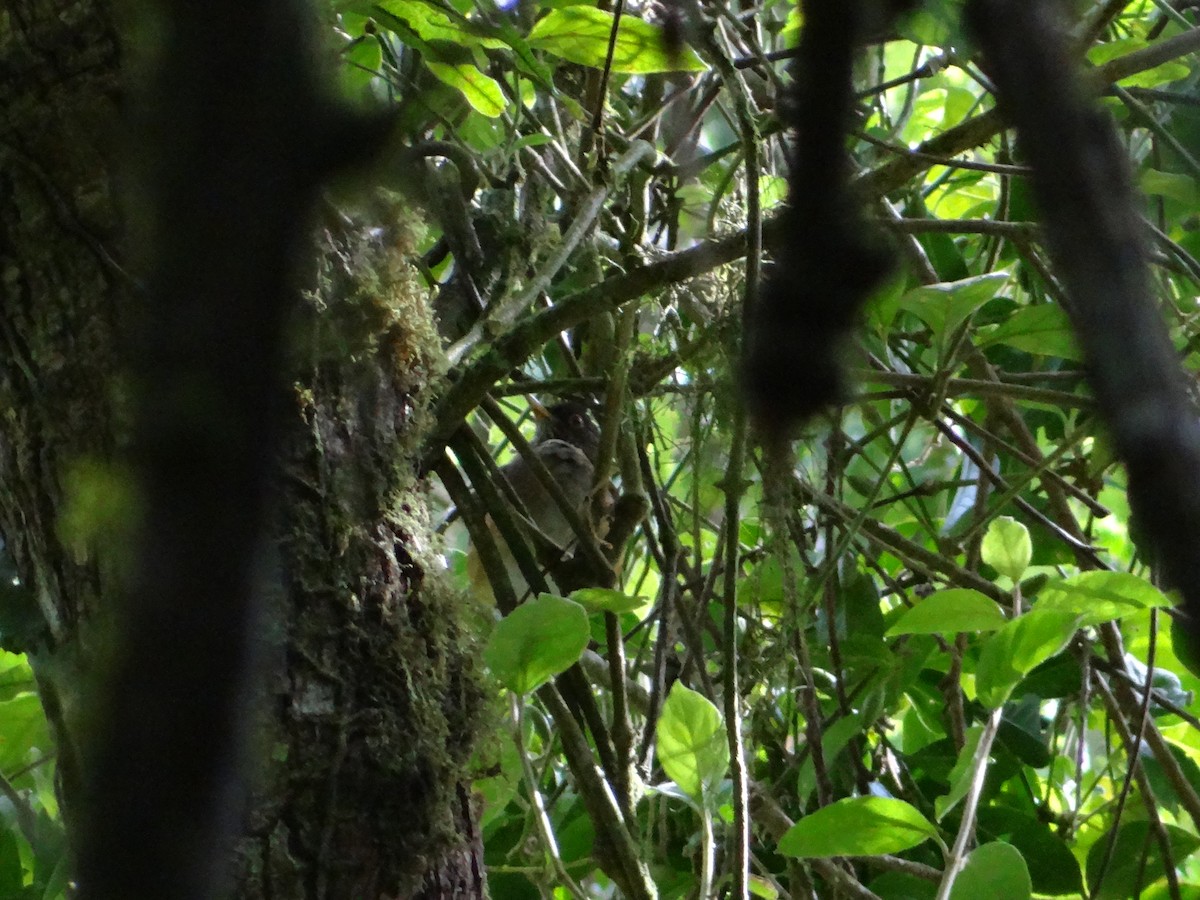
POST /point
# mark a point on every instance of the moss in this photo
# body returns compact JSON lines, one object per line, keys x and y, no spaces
{"x":384,"y":698}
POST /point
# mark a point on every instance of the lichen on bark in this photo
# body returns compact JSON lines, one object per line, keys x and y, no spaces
{"x":378,"y":695}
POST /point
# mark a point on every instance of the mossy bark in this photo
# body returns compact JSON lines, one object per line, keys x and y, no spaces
{"x":368,"y":707}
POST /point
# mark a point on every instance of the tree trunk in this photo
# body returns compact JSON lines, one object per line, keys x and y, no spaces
{"x":370,"y":702}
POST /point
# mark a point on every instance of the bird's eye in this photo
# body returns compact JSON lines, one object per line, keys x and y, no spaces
{"x":577,"y":421}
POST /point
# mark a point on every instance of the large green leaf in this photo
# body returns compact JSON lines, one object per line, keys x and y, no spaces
{"x":482,"y":92}
{"x":692,"y":746}
{"x":996,"y":871}
{"x":12,"y":876}
{"x":581,"y":35}
{"x":22,"y":729}
{"x":1137,"y":859}
{"x":536,"y":641}
{"x":1022,"y":733}
{"x":857,"y":826}
{"x":1017,"y":648}
{"x":1098,"y":597}
{"x":363,"y":59}
{"x":948,"y":612}
{"x":432,"y":22}
{"x":945,"y":306}
{"x":1043,"y":329}
{"x":1052,"y":867}
{"x":16,"y":677}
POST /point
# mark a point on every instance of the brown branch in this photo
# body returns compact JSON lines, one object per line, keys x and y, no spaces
{"x":520,"y":342}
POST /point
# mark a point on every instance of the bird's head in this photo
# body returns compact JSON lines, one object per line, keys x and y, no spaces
{"x":571,"y":422}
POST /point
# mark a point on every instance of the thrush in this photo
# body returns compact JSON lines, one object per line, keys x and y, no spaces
{"x":567,"y":442}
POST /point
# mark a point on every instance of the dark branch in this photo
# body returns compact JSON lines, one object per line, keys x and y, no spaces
{"x":824,"y":267}
{"x":1082,"y":183}
{"x":226,"y":179}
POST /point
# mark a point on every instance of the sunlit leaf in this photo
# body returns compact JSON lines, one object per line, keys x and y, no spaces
{"x":1175,"y":185}
{"x":581,"y":35}
{"x":483,"y":93}
{"x":1018,"y":647}
{"x":362,"y":59}
{"x":1173,"y":70}
{"x":948,"y":612}
{"x":1006,"y":547}
{"x":1098,"y":597}
{"x":692,"y":745}
{"x":22,"y":729}
{"x":536,"y":641}
{"x":857,"y":826}
{"x":433,"y":22}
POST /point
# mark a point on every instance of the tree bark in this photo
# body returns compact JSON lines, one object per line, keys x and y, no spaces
{"x":369,"y":703}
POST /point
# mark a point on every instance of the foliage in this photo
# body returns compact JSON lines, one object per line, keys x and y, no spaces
{"x":937,"y":614}
{"x":948,"y":551}
{"x":33,"y":858}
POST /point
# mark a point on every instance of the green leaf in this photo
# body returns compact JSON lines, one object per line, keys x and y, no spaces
{"x":1007,"y":548}
{"x":1170,"y":184}
{"x":436,"y":23}
{"x":605,"y":600}
{"x":16,"y":677}
{"x":1017,"y":648}
{"x":1052,"y":867}
{"x":1099,"y":597}
{"x":996,"y":871}
{"x":691,"y":743}
{"x":581,"y":34}
{"x":22,"y":728}
{"x":1044,"y":329}
{"x":1137,"y":859}
{"x":948,"y":612}
{"x":859,"y":596}
{"x":536,"y":641}
{"x":482,"y":92}
{"x":883,"y":303}
{"x":857,"y":826}
{"x":943,"y":307}
{"x":363,"y":59}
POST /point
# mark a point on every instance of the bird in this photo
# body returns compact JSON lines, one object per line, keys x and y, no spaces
{"x":567,"y":441}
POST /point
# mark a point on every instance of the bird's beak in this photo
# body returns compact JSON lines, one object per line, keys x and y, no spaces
{"x":539,"y":411}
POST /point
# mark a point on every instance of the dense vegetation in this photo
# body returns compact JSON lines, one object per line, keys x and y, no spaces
{"x":918,"y":655}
